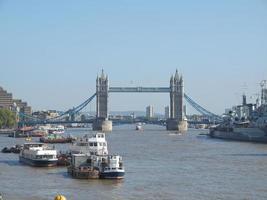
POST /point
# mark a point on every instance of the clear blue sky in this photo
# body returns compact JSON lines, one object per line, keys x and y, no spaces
{"x":51,"y":51}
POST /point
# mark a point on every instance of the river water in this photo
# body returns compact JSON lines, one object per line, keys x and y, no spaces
{"x":159,"y":165}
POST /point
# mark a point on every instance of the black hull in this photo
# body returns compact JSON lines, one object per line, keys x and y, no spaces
{"x":112,"y":175}
{"x":38,"y":163}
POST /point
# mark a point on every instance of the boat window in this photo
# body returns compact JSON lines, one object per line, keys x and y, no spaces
{"x":91,"y":144}
{"x":100,"y":143}
{"x":46,"y":156}
{"x":95,"y":144}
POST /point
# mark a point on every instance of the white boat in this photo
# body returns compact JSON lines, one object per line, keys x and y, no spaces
{"x":92,"y":145}
{"x":112,"y":167}
{"x":91,"y":153}
{"x":89,"y":166}
{"x":59,"y":129}
{"x":138,"y":127}
{"x":38,"y":154}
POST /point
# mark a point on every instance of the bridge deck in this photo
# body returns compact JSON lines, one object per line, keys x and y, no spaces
{"x":140,"y":89}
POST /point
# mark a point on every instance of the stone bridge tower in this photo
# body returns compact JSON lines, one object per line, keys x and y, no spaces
{"x":102,"y":87}
{"x":177,"y":120}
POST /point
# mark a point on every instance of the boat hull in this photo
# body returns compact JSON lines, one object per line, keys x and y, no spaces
{"x":241,"y":134}
{"x":112,"y":175}
{"x":78,"y":173}
{"x":54,"y":141}
{"x":38,"y":163}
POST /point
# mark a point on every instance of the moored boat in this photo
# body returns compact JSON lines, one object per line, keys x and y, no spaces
{"x":82,"y":167}
{"x":95,"y":144}
{"x":247,"y":123}
{"x":90,"y":159}
{"x":59,"y":129}
{"x":38,"y":154}
{"x":112,"y":167}
{"x":15,"y":149}
{"x":63,"y":160}
{"x":54,"y":138}
{"x":84,"y":172}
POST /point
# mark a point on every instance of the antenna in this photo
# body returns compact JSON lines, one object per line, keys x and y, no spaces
{"x":263,"y":85}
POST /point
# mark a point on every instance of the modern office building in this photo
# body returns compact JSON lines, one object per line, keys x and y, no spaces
{"x":7,"y":101}
{"x":149,"y":112}
{"x":167,"y":112}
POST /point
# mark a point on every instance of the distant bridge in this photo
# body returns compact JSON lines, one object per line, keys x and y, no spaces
{"x":176,"y":106}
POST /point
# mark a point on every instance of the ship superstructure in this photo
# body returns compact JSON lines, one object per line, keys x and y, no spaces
{"x":247,"y":122}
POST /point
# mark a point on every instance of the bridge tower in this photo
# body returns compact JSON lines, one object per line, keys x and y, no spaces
{"x":102,"y":88}
{"x":177,"y":120}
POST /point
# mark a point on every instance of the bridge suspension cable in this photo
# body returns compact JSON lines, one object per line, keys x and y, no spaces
{"x":68,"y":112}
{"x":200,"y":109}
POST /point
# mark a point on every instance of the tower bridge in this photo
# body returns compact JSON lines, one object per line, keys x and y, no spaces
{"x":177,"y":120}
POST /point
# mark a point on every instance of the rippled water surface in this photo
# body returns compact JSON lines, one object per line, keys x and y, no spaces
{"x":159,"y":165}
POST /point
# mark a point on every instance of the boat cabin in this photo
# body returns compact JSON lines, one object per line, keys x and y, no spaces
{"x":94,"y":145}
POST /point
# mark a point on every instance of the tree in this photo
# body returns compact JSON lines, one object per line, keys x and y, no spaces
{"x":7,"y":118}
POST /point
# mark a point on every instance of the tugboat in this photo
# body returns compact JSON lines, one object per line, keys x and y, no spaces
{"x":38,"y":155}
{"x":112,"y":167}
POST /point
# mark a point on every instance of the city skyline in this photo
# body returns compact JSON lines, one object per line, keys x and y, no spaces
{"x":51,"y":53}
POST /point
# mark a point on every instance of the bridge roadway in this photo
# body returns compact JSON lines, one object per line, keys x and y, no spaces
{"x":140,"y":89}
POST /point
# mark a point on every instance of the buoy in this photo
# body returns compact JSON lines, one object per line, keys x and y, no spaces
{"x":60,"y":197}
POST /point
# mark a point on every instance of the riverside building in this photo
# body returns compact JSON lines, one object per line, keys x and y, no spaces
{"x":7,"y":102}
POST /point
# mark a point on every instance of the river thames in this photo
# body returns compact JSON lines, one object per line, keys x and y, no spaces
{"x":159,"y":165}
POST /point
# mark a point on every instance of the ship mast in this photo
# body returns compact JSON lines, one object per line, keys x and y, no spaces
{"x":263,"y":85}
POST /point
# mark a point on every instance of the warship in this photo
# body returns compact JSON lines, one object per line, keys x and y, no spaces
{"x":246,"y":122}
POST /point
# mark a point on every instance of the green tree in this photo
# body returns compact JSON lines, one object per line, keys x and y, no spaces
{"x":7,"y":118}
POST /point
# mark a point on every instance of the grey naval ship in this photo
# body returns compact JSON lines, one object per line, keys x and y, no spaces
{"x":246,"y":122}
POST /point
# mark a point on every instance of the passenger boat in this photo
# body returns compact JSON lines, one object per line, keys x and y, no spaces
{"x":38,"y":154}
{"x":93,"y":145}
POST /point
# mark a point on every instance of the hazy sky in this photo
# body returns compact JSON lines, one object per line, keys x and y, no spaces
{"x":51,"y":51}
